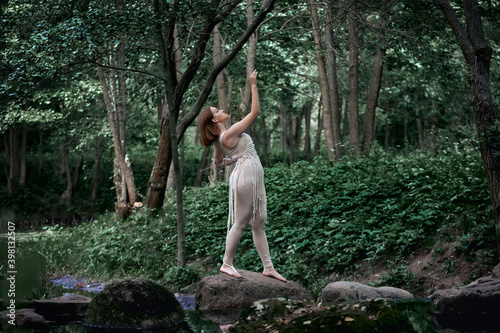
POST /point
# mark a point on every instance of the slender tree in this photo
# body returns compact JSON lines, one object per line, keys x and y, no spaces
{"x":333,"y":86}
{"x":325,"y":90}
{"x":477,"y":54}
{"x":373,"y":91}
{"x":251,"y":55}
{"x":353,"y":77}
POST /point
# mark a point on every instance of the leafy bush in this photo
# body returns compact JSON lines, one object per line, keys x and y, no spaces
{"x":322,"y":218}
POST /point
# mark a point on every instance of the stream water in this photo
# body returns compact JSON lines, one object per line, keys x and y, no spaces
{"x":31,"y":282}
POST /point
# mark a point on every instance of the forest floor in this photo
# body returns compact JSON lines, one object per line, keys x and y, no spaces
{"x":430,"y":269}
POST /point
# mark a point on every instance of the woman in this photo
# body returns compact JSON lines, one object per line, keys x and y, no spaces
{"x":247,"y":195}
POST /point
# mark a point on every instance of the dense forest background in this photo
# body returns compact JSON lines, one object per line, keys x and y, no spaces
{"x":98,"y":98}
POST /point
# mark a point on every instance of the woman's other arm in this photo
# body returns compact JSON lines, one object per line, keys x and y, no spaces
{"x":219,"y":160}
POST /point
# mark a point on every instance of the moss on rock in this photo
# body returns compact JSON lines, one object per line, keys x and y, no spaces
{"x":134,"y":303}
{"x":378,"y":315}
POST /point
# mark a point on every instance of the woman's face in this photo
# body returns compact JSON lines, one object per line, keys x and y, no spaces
{"x":218,"y":115}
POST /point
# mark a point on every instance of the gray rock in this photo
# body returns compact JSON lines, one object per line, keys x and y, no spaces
{"x":225,"y":295}
{"x":134,"y":303}
{"x":470,"y":308}
{"x":352,"y":291}
{"x":64,"y":309}
{"x":496,"y":271}
{"x":393,"y":293}
{"x":30,"y":319}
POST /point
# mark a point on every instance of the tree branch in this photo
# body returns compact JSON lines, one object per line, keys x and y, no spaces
{"x":129,"y":70}
{"x":474,"y":24}
{"x":198,"y":54}
{"x":184,"y":123}
{"x":463,"y":40}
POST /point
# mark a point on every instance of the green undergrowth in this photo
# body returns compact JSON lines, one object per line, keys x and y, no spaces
{"x":323,"y":217}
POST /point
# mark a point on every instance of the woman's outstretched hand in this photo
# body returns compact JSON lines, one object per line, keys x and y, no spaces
{"x":252,"y":77}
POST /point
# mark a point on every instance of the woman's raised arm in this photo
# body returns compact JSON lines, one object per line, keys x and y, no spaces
{"x":232,"y":135}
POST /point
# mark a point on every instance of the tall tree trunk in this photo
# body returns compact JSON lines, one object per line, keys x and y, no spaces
{"x":325,"y":98}
{"x":298,"y":129}
{"x":40,"y":152}
{"x":24,"y":140}
{"x":420,"y":130}
{"x":405,"y":134}
{"x":317,"y":140}
{"x":307,"y":134}
{"x":386,"y":139}
{"x":291,"y":137}
{"x":78,"y":169}
{"x":224,"y":87}
{"x":353,"y":78}
{"x":345,"y":118}
{"x":265,"y":141}
{"x":478,"y":54}
{"x":14,"y":154}
{"x":212,"y":176}
{"x":373,"y":91}
{"x":168,"y":58}
{"x":333,"y":85}
{"x":97,"y":165}
{"x":115,"y":100}
{"x":222,"y":92}
{"x":159,"y":173}
{"x":68,"y":193}
{"x":181,"y":238}
{"x":171,"y":178}
{"x":251,"y":55}
{"x":7,"y":172}
{"x":202,"y":166}
{"x":283,"y":137}
{"x":120,"y":157}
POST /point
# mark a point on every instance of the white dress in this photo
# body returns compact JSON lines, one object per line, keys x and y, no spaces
{"x":246,"y":184}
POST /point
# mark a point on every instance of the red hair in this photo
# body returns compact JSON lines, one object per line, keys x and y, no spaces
{"x":209,"y":132}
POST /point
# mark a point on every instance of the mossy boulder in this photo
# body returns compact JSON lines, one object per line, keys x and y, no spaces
{"x":377,"y":315}
{"x":134,"y":303}
{"x":254,"y":317}
{"x":223,"y":292}
{"x":63,"y":309}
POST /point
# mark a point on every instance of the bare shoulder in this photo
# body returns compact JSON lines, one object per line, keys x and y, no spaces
{"x":230,"y":139}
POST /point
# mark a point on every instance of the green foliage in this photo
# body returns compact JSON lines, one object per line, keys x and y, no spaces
{"x":322,"y":218}
{"x":399,"y":276}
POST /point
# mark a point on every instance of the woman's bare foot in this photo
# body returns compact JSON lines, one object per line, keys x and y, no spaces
{"x":229,"y":270}
{"x":273,"y":274}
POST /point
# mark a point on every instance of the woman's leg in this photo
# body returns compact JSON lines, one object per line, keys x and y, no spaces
{"x":260,"y":240}
{"x":233,"y":239}
{"x":243,"y":214}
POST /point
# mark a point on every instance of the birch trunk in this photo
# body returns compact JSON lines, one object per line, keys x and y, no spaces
{"x":333,"y":86}
{"x":353,"y":78}
{"x":325,"y":98}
